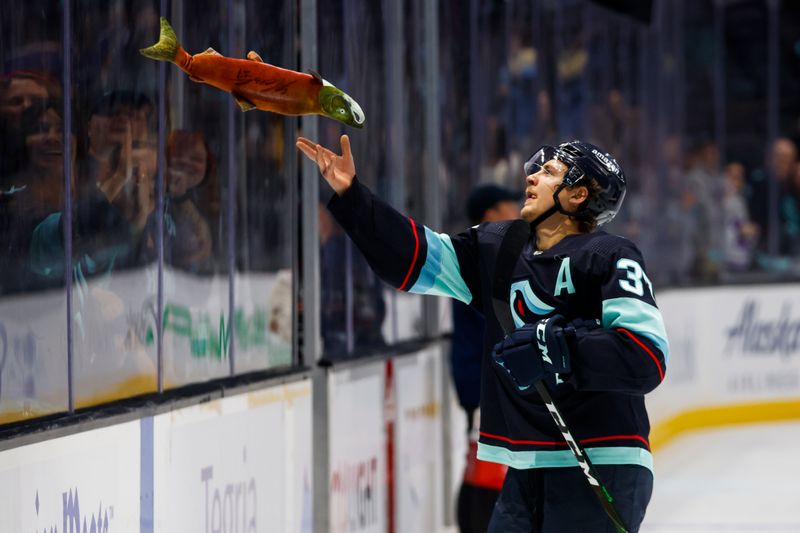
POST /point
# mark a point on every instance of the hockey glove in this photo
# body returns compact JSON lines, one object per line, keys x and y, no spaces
{"x":538,"y":351}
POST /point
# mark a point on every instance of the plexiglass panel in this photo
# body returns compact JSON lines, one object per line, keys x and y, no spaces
{"x":457,"y":176}
{"x":114,"y":241}
{"x":197,"y":326}
{"x":266,"y":170}
{"x":33,"y":311}
{"x":406,"y":307}
{"x":352,"y":56}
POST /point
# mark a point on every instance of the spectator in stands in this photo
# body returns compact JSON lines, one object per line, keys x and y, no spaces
{"x":30,"y":195}
{"x":545,"y":129}
{"x":518,"y":78}
{"x":20,"y":90}
{"x":115,"y":189}
{"x":704,"y":186}
{"x":779,"y":165}
{"x":739,"y":232}
{"x":482,"y":481}
{"x":113,"y":201}
{"x":572,"y":65}
{"x":120,"y":122}
{"x":612,"y":122}
{"x":790,"y":215}
{"x":187,"y":230}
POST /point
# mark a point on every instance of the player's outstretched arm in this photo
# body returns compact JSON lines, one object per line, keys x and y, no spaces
{"x":338,"y":170}
{"x":405,"y":254}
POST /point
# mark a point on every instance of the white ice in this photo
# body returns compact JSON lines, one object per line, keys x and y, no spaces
{"x":740,"y":479}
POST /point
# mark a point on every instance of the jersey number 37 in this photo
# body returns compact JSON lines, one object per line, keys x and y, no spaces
{"x":635,"y":275}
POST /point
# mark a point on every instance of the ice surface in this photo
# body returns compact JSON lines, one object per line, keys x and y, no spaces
{"x":739,"y":479}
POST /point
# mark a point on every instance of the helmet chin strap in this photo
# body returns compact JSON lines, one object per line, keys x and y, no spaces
{"x":544,"y":216}
{"x":556,"y":208}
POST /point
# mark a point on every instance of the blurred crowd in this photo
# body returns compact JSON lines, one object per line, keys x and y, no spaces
{"x":702,"y":218}
{"x":728,"y":222}
{"x":113,"y":157}
{"x":702,"y":213}
{"x":114,"y":224}
{"x":113,"y":173}
{"x":100,"y":183}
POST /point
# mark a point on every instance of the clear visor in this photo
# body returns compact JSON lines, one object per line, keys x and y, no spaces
{"x":537,"y":161}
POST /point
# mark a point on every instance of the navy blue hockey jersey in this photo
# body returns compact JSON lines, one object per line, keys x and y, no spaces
{"x":588,"y":276}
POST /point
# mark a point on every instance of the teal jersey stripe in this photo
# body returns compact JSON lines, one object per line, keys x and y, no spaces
{"x":441,"y":274}
{"x":638,"y":317}
{"x":433,"y":264}
{"x":618,"y":455}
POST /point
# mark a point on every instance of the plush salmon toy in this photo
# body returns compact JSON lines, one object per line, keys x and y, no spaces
{"x":258,"y":85}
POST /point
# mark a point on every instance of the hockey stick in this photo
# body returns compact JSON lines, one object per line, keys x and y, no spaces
{"x":507,"y":256}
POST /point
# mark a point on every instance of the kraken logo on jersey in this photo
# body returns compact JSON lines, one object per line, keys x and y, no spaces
{"x":526,"y":307}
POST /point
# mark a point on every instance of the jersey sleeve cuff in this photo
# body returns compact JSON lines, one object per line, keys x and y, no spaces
{"x":345,"y":208}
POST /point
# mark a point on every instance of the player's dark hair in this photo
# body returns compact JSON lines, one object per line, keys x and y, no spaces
{"x":587,"y":223}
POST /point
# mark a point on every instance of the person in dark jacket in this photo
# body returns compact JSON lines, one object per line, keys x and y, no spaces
{"x":482,"y":480}
{"x":587,"y":325}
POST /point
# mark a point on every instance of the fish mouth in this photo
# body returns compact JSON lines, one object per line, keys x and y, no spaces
{"x":342,"y":107}
{"x":357,"y":112}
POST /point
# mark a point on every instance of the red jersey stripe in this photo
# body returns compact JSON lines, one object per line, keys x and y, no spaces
{"x":563,"y":443}
{"x":413,"y":259}
{"x":617,"y":437}
{"x":646,"y":349}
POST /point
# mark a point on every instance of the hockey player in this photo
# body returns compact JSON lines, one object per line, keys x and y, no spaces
{"x":586,"y":323}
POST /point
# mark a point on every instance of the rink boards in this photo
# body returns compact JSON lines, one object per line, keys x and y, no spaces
{"x":735,"y":358}
{"x":244,"y":463}
{"x":236,"y":464}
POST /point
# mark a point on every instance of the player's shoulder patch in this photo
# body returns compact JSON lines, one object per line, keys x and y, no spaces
{"x":492,"y":231}
{"x":607,"y":244}
{"x":497,"y":228}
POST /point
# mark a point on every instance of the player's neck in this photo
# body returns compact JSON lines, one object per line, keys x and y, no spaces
{"x":550,"y":232}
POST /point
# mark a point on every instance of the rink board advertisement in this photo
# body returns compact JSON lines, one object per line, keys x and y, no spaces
{"x":197,"y":324}
{"x":33,"y":357}
{"x":114,"y":336}
{"x":239,"y":464}
{"x":729,"y":346}
{"x":418,"y":436}
{"x":358,"y":450}
{"x":403,"y":316}
{"x":83,"y":482}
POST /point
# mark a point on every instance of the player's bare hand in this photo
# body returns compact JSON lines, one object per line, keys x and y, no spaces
{"x":338,"y":170}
